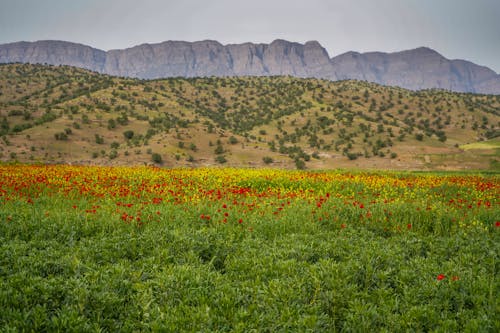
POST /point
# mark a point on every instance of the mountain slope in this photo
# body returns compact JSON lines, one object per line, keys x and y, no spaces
{"x":59,"y":114}
{"x":421,"y":68}
{"x":53,"y":53}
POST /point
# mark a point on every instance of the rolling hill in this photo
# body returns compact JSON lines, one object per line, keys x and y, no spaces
{"x":61,"y":114}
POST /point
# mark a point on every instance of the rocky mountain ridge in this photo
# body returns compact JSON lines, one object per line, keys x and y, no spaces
{"x":420,"y":68}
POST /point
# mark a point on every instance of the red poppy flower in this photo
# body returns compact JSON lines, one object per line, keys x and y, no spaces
{"x":497,"y":224}
{"x":440,"y":277}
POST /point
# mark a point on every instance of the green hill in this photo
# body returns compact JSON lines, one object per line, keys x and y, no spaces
{"x":62,"y":114}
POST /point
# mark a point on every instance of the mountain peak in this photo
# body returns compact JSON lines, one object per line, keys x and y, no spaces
{"x":313,"y":43}
{"x":423,"y":51}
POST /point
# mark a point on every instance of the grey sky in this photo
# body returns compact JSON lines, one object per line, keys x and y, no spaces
{"x":465,"y":29}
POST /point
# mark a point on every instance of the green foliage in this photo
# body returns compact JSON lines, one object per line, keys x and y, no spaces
{"x":267,"y":160}
{"x":99,"y":139}
{"x":156,"y":158}
{"x":128,"y":134}
{"x":321,"y":262}
{"x":351,"y":156}
{"x":220,"y":159}
{"x":300,"y":164}
{"x":111,"y":124}
{"x":62,"y":136}
{"x":113,"y":154}
{"x":219,"y":149}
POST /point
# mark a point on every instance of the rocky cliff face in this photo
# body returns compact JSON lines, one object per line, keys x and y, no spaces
{"x":421,"y":68}
{"x":210,"y":58}
{"x":53,"y":53}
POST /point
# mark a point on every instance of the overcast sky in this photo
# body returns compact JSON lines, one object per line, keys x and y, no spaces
{"x":463,"y":29}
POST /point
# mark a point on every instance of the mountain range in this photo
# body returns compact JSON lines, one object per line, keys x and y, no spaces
{"x":420,"y":68}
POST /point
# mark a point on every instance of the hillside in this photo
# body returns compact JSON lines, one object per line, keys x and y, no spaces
{"x":60,"y":114}
{"x":417,"y":69}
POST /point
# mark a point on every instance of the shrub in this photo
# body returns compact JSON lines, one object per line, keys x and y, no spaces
{"x":352,"y":156}
{"x":129,"y":134}
{"x":300,"y":164}
{"x":113,"y":154}
{"x":99,"y":139}
{"x":220,"y":159}
{"x":219,"y":149}
{"x":267,"y":159}
{"x":61,"y":136}
{"x":111,"y":124}
{"x":156,"y":158}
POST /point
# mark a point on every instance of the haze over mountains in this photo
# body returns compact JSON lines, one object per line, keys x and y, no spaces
{"x":421,"y":68}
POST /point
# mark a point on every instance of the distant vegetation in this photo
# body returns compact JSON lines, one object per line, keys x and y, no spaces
{"x":64,"y":114}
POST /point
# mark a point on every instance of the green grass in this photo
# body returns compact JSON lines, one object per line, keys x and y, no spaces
{"x":490,"y":144}
{"x":313,"y":266}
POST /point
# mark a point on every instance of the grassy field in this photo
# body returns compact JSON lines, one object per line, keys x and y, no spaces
{"x":236,"y":250}
{"x":491,"y":144}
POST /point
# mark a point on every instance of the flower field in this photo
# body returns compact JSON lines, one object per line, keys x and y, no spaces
{"x":238,"y":250}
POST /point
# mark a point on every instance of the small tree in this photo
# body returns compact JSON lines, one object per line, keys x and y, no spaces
{"x":111,"y":124}
{"x":267,"y":160}
{"x":99,"y":139}
{"x":129,"y":134}
{"x":113,"y":154}
{"x":219,"y":149}
{"x":156,"y":158}
{"x":300,"y":164}
{"x":221,"y":159}
{"x":61,"y":136}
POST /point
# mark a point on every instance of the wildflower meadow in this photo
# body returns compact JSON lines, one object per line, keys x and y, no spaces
{"x":110,"y":249}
